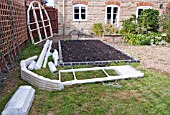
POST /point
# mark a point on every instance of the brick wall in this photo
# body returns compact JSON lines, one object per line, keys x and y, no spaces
{"x":96,"y":12}
{"x":20,"y":28}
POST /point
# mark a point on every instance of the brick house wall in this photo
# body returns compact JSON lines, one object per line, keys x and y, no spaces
{"x":96,"y":12}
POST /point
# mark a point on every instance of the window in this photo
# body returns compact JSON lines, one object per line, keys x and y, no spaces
{"x":79,"y":12}
{"x":112,"y":14}
{"x":140,"y":8}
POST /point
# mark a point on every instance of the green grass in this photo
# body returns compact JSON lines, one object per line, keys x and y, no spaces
{"x":148,"y":95}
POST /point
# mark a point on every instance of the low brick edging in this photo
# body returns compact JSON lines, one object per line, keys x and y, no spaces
{"x":37,"y":80}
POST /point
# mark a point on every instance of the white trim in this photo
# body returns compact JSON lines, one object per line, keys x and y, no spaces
{"x":124,"y":72}
{"x":80,"y":5}
{"x":118,"y":14}
{"x":39,"y":8}
{"x":142,"y":7}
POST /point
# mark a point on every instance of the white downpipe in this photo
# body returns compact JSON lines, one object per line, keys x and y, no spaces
{"x":47,"y":54}
{"x":32,"y":65}
{"x":42,"y":55}
{"x":52,"y":67}
{"x":63,"y":17}
{"x":55,"y":57}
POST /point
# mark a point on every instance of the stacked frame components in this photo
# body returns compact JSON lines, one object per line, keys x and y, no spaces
{"x":13,"y":28}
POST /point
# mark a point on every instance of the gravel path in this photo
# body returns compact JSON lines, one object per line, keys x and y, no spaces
{"x":150,"y":57}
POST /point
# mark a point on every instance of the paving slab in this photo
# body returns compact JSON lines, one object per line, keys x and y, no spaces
{"x":20,"y":102}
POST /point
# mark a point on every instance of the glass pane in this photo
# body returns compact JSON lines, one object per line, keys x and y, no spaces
{"x":83,"y":16}
{"x":76,"y":9}
{"x":76,"y":16}
{"x":115,"y":10}
{"x":139,"y":11}
{"x":108,"y":9}
{"x":83,"y":10}
{"x":114,"y":16}
{"x":108,"y":16}
{"x":114,"y":22}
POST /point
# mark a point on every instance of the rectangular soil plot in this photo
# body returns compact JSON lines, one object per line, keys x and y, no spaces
{"x":95,"y":52}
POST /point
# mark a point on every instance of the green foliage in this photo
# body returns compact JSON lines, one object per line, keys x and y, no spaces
{"x":144,"y":39}
{"x":97,"y":29}
{"x":109,"y":29}
{"x":129,"y":25}
{"x":30,"y":50}
{"x":148,"y":21}
{"x":165,"y":23}
{"x":144,"y":31}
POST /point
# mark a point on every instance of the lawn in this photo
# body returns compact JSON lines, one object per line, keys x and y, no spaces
{"x":148,"y":95}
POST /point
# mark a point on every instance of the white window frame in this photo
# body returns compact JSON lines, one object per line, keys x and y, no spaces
{"x":118,"y":14}
{"x":142,"y":7}
{"x":80,"y":5}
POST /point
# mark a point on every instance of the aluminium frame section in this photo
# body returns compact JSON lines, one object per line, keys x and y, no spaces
{"x":40,"y":8}
{"x":131,"y":74}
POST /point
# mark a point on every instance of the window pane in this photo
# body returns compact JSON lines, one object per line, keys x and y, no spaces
{"x":76,"y":16}
{"x":108,"y":16}
{"x":114,"y":19}
{"x":76,"y":9}
{"x":115,"y":10}
{"x":83,"y":16}
{"x":139,"y":11}
{"x":114,"y":16}
{"x":83,"y":10}
{"x":108,"y":9}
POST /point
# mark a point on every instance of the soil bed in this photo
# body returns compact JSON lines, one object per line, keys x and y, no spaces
{"x":91,"y":51}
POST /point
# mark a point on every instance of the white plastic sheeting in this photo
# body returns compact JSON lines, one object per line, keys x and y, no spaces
{"x":52,"y":67}
{"x":20,"y":102}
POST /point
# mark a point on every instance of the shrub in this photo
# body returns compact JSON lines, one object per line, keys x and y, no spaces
{"x":144,"y":39}
{"x":148,"y":21}
{"x":129,"y":25}
{"x":109,"y":29}
{"x":97,"y":28}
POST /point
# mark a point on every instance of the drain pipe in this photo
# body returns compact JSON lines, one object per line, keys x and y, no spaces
{"x":63,"y":17}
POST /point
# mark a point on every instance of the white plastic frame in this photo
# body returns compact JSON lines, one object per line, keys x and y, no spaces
{"x":124,"y":72}
{"x":40,"y":8}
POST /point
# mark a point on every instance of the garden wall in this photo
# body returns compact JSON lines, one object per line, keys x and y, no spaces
{"x":96,"y":12}
{"x":19,"y":28}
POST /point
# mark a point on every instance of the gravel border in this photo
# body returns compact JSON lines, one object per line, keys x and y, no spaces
{"x":156,"y":58}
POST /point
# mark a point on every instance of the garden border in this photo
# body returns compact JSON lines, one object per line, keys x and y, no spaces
{"x":37,"y":80}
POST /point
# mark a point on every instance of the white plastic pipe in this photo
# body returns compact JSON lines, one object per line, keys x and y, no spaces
{"x":47,"y":54}
{"x":52,"y":67}
{"x":42,"y":55}
{"x":29,"y":60}
{"x":32,"y":65}
{"x":55,"y":57}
